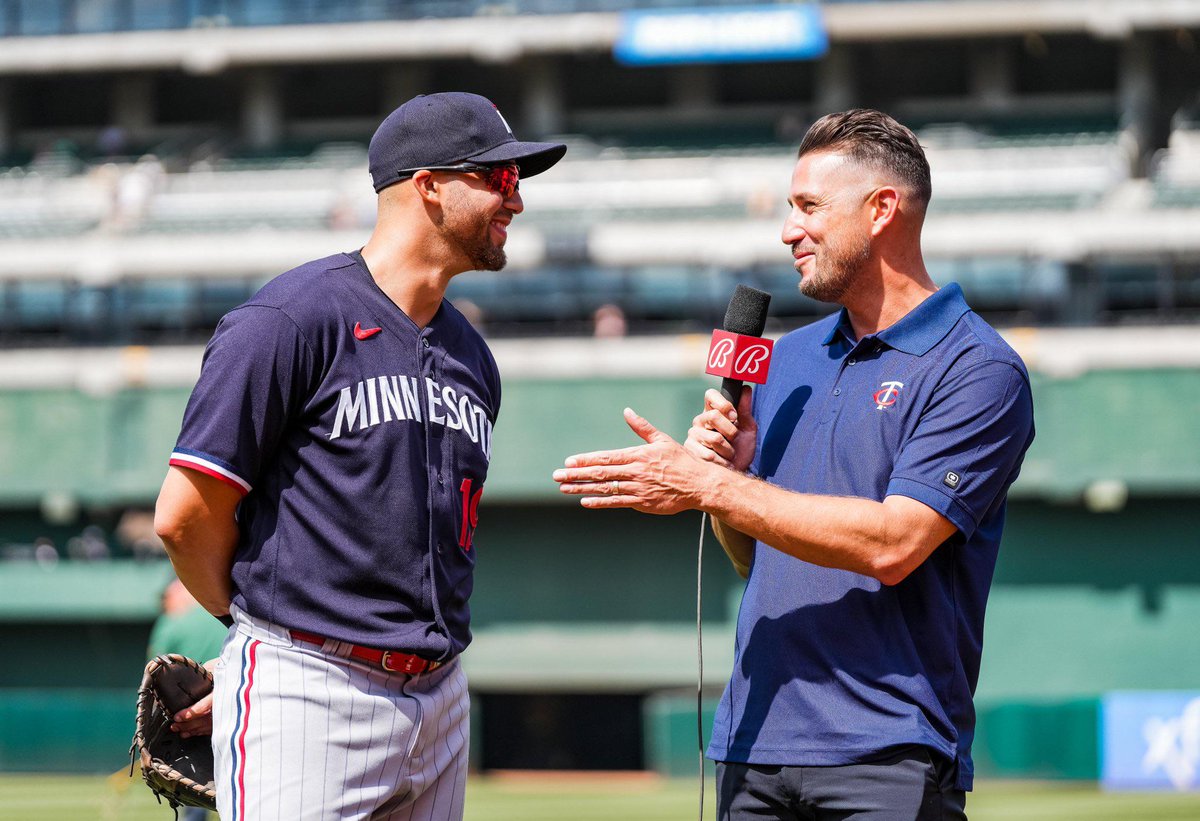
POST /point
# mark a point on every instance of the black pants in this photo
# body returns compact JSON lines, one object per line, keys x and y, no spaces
{"x":909,"y":784}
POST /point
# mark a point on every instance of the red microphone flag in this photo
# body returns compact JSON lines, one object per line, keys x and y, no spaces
{"x":735,"y":356}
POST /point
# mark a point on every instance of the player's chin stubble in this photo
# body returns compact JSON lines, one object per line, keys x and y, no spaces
{"x":835,"y":267}
{"x":471,"y":233}
{"x":476,"y":244}
{"x":487,"y":256}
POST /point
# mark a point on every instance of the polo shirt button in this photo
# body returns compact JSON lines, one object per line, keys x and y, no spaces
{"x":852,"y":362}
{"x":425,"y":341}
{"x":837,"y":391}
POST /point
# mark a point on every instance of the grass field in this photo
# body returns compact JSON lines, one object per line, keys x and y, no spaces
{"x":568,"y":798}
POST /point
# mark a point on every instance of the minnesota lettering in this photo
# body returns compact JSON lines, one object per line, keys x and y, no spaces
{"x":400,"y":399}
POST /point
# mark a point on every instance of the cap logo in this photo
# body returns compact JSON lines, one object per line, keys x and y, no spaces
{"x":501,"y":116}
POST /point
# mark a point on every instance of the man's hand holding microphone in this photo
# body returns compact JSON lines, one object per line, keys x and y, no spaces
{"x":722,"y":435}
{"x":663,"y":476}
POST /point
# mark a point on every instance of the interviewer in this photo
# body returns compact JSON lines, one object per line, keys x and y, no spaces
{"x":862,"y":492}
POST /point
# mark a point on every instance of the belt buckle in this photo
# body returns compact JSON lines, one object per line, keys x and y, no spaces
{"x":386,"y":663}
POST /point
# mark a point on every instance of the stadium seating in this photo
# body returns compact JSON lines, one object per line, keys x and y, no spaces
{"x":1176,"y":171}
{"x":652,"y":229}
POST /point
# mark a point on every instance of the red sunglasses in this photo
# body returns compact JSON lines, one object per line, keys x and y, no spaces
{"x":504,"y":180}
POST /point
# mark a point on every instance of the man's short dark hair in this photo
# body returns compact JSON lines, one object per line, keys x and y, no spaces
{"x":873,"y":138}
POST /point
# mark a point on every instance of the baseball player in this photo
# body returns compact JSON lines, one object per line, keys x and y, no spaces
{"x":325,"y":489}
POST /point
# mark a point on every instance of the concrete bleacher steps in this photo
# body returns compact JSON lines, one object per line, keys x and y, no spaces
{"x":660,"y":231}
{"x":746,"y":183}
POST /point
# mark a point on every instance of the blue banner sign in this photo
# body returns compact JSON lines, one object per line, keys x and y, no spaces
{"x":1151,"y":740}
{"x":722,"y":35}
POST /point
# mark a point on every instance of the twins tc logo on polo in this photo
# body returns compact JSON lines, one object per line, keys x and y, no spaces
{"x":887,"y":394}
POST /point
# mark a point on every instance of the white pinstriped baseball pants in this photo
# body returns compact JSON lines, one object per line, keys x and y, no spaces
{"x":302,"y":732}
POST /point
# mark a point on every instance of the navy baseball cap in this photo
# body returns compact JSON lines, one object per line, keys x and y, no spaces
{"x":447,"y":129}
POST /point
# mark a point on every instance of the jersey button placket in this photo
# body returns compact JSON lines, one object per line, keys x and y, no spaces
{"x":433,"y":451}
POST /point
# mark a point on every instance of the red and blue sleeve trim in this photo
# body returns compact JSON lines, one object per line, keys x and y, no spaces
{"x":205,"y":464}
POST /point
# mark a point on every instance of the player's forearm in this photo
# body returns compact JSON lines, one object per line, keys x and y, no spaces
{"x":194,"y":517}
{"x":202,"y":554}
{"x":853,"y":534}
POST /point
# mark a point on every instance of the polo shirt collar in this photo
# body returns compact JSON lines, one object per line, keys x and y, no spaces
{"x":918,"y":330}
{"x":842,"y":326}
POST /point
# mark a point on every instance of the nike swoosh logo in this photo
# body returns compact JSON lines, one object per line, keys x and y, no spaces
{"x":364,"y":333}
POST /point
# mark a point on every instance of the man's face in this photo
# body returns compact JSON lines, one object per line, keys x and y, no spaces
{"x":828,"y":227}
{"x":475,"y":220}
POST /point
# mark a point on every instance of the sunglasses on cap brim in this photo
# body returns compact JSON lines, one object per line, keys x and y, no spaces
{"x":504,"y":180}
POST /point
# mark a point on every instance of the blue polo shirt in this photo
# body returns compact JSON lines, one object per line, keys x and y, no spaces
{"x":832,"y":667}
{"x":361,"y":444}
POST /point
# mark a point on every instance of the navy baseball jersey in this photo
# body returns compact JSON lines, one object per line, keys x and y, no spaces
{"x":833,"y":667}
{"x":361,"y":443}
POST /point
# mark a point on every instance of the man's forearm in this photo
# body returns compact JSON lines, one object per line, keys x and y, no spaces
{"x":884,"y":540}
{"x":738,"y":546}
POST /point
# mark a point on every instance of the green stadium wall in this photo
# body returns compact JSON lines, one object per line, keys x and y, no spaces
{"x":1136,"y":426}
{"x":1084,"y":602}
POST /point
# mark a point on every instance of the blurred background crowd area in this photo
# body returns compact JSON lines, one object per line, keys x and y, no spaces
{"x":161,"y":159}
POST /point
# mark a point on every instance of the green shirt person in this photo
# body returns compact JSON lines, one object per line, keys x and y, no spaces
{"x":185,"y":627}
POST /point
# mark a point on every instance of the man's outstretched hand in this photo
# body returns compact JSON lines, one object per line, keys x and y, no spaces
{"x":658,"y":477}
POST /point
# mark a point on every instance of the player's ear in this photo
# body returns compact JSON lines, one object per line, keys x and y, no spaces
{"x":426,"y":187}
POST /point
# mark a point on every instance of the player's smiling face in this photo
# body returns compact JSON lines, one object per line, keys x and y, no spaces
{"x":828,"y":227}
{"x":475,"y":220}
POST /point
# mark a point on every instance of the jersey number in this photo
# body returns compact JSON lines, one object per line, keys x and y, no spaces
{"x":470,"y":513}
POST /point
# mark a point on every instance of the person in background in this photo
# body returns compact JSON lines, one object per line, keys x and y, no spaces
{"x":185,"y":627}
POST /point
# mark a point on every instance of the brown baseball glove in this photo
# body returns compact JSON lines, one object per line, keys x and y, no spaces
{"x":179,"y":770}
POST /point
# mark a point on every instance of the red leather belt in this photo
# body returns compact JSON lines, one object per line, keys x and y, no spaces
{"x":390,"y":660}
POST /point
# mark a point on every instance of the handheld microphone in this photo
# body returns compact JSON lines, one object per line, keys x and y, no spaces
{"x":738,"y":353}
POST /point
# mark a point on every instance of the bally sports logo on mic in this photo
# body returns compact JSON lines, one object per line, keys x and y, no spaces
{"x":740,"y":357}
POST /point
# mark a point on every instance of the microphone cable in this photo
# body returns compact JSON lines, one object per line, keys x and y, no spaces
{"x":700,"y":655}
